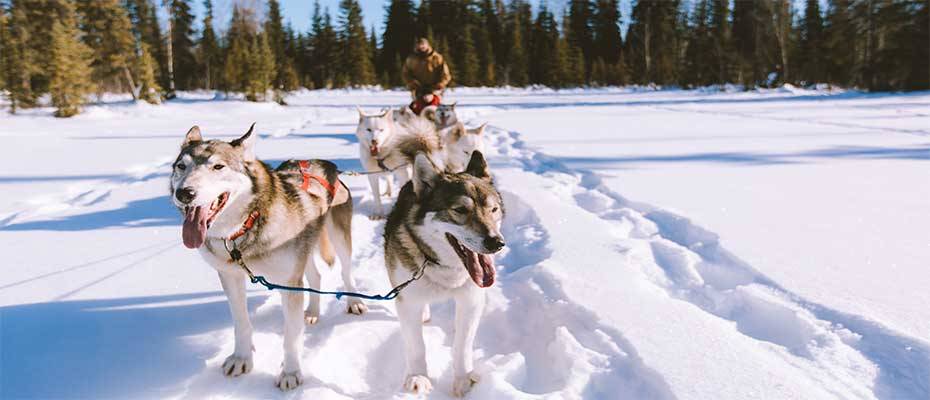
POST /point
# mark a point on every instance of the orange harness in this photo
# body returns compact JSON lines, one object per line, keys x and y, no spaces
{"x":305,"y":172}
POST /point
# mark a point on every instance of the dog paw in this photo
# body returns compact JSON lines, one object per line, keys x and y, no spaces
{"x":288,"y":380}
{"x":235,"y":365}
{"x":357,"y":307}
{"x":311,"y":317}
{"x":418,"y":384}
{"x":461,"y":385}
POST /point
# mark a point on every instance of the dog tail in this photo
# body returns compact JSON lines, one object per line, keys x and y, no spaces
{"x":326,"y":248}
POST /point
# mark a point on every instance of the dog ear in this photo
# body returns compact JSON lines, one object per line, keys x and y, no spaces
{"x":424,"y":174}
{"x":477,"y":166}
{"x":479,"y":130}
{"x":193,"y":135}
{"x":453,"y":104}
{"x":361,"y":114}
{"x":247,"y":144}
{"x":429,"y":113}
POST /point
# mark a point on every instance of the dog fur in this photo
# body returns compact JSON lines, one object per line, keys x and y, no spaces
{"x":226,"y":180}
{"x":451,"y":221}
{"x":391,"y":139}
{"x":458,"y":144}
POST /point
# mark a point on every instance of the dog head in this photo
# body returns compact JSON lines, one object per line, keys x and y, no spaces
{"x":207,"y":176}
{"x":465,"y":208}
{"x":459,"y":143}
{"x":374,"y":130}
{"x":441,"y":115}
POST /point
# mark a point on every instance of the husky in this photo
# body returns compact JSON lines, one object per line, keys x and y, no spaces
{"x":449,"y":224}
{"x":226,"y":194}
{"x":458,"y":144}
{"x":388,"y":142}
{"x":443,"y":115}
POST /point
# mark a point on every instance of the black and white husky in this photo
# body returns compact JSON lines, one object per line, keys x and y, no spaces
{"x":277,"y":219}
{"x":448,"y":224}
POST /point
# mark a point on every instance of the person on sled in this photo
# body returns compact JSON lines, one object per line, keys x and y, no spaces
{"x":426,"y":74}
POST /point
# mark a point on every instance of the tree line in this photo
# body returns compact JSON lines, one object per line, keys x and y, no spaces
{"x":71,"y":48}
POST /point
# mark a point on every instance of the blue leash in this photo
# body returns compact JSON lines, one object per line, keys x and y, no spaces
{"x":236,"y":256}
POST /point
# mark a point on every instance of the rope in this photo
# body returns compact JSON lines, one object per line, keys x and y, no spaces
{"x":236,"y":255}
{"x":383,"y":170}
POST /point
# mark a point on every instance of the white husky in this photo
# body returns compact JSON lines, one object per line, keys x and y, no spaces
{"x":458,"y":144}
{"x":388,"y":142}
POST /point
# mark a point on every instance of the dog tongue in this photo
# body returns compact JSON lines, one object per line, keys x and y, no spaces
{"x":480,"y":267}
{"x":373,"y":149}
{"x":194,"y":230}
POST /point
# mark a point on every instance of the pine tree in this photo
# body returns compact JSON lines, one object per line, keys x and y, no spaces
{"x":146,"y":30}
{"x":579,"y":29}
{"x":652,"y":41}
{"x":490,"y":40}
{"x":242,"y":28}
{"x":721,"y":46}
{"x":144,"y":71}
{"x":468,"y":64}
{"x":517,"y":62}
{"x":811,"y":46}
{"x":356,"y":59}
{"x":108,"y":32}
{"x":277,"y":40}
{"x":755,"y":41}
{"x":397,"y":38}
{"x":70,"y":72}
{"x":261,"y":68}
{"x":18,"y":57}
{"x":4,"y":49}
{"x":698,"y":69}
{"x":208,"y":49}
{"x":839,"y":44}
{"x":182,"y":45}
{"x":606,"y":24}
{"x":325,"y":49}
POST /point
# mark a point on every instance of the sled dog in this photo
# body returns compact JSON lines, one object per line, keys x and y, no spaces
{"x":443,"y":115}
{"x":449,"y":225}
{"x":276,"y":219}
{"x":458,"y":144}
{"x":388,"y":142}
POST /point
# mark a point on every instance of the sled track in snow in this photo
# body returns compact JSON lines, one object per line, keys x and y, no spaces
{"x":690,"y":264}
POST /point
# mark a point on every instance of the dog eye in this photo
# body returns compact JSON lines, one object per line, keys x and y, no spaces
{"x":218,"y":167}
{"x":494,"y":210}
{"x":369,"y":129}
{"x":461,"y":209}
{"x":180,"y":166}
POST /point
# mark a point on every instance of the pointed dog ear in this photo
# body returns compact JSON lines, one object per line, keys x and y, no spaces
{"x":424,"y":174}
{"x":477,"y":166}
{"x":479,"y":130}
{"x":454,"y":103}
{"x":361,"y":114}
{"x":193,"y":135}
{"x":247,"y":144}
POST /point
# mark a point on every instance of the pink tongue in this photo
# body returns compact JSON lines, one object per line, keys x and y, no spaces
{"x":480,"y":267}
{"x":194,"y":230}
{"x":373,"y":149}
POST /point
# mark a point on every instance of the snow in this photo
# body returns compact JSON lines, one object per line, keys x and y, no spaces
{"x":699,"y":244}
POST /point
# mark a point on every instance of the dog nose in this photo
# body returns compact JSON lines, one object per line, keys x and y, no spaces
{"x":185,"y":195}
{"x":494,"y":243}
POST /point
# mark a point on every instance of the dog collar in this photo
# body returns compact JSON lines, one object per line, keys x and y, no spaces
{"x":304,"y":171}
{"x":246,"y":226}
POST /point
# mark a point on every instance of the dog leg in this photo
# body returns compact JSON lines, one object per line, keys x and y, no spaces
{"x":469,"y":305}
{"x":388,"y":180}
{"x":378,"y":212}
{"x":410,"y":314}
{"x":312,"y":313}
{"x":402,"y":175}
{"x":426,"y":314}
{"x":291,"y":303}
{"x":342,"y":241}
{"x":240,"y":362}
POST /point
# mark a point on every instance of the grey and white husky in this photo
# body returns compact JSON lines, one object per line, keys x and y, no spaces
{"x":443,"y":115}
{"x":388,"y":142}
{"x":225,"y":193}
{"x":449,"y":222}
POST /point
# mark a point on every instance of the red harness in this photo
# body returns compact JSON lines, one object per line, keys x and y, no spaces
{"x":305,"y":172}
{"x":304,"y":166}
